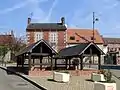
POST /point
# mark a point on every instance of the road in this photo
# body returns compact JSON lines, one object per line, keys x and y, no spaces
{"x":116,"y":75}
{"x":14,"y":82}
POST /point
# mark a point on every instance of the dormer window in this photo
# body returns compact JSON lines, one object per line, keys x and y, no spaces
{"x":72,"y":37}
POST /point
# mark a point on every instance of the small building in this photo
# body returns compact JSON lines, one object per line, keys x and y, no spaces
{"x":113,"y":50}
{"x":36,"y":57}
{"x":53,"y":33}
{"x":74,"y":55}
{"x":112,"y":43}
{"x":40,"y":56}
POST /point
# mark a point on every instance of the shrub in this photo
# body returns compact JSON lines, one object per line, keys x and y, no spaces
{"x":108,"y":76}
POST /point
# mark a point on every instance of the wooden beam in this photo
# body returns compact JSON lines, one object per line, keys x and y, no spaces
{"x":29,"y":60}
{"x":99,"y":62}
{"x":55,"y":63}
{"x":22,"y":60}
{"x":81,"y":63}
{"x":51,"y":63}
{"x":41,"y":62}
{"x":69,"y":63}
{"x":66,"y":63}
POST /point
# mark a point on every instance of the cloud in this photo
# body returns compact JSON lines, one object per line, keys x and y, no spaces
{"x":51,"y":9}
{"x":20,"y":5}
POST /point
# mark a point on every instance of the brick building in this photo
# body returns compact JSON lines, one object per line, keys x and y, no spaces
{"x":6,"y":39}
{"x":53,"y":33}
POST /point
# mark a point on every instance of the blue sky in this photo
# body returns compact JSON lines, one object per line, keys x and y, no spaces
{"x":77,"y":13}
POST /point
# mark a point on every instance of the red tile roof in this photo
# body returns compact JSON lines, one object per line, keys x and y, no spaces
{"x":6,"y":39}
{"x":85,"y":33}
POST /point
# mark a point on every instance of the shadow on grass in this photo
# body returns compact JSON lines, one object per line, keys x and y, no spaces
{"x":90,"y":80}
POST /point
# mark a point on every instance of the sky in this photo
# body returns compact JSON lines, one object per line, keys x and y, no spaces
{"x":77,"y":13}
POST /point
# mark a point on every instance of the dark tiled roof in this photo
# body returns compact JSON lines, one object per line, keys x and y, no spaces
{"x":6,"y":39}
{"x":111,"y":40}
{"x":52,"y":26}
{"x":76,"y":50}
{"x":30,"y":47}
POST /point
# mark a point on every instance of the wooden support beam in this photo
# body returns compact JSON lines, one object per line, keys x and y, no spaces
{"x":55,"y":63}
{"x":29,"y":60}
{"x":99,"y":62}
{"x":81,"y":63}
{"x":69,"y":63}
{"x":33,"y":61}
{"x":22,"y":60}
{"x":41,"y":62}
{"x":51,"y":63}
{"x":66,"y":63}
{"x":17,"y":60}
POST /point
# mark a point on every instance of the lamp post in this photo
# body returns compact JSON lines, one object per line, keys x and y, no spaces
{"x":93,"y":37}
{"x":94,"y":20}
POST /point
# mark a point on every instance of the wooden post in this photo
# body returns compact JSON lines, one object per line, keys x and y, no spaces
{"x":17,"y":61}
{"x":99,"y":62}
{"x":33,"y":61}
{"x":66,"y":63}
{"x":51,"y":63}
{"x":41,"y":62}
{"x":55,"y":63}
{"x":91,"y":54}
{"x":29,"y":60}
{"x":22,"y":60}
{"x":69,"y":63}
{"x":81,"y":63}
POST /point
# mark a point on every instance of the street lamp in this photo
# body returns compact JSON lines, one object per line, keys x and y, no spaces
{"x":94,"y":20}
{"x":93,"y":37}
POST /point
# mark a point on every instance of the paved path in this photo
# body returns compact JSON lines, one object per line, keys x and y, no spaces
{"x":76,"y":83}
{"x":116,"y":75}
{"x":13,"y":82}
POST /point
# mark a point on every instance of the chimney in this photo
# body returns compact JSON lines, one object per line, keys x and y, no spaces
{"x":63,"y":20}
{"x":29,"y":20}
{"x":12,"y":33}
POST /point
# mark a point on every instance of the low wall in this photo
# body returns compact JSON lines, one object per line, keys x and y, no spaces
{"x":39,"y":72}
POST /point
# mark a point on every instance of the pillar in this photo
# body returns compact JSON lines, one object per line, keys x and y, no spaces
{"x":51,"y":63}
{"x":33,"y":61}
{"x":81,"y":63}
{"x":69,"y":63}
{"x":99,"y":62}
{"x":66,"y":63}
{"x":22,"y":60}
{"x":29,"y":61}
{"x":41,"y":62}
{"x":55,"y":63}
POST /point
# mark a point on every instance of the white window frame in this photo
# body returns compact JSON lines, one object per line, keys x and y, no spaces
{"x":38,"y":36}
{"x":53,"y":37}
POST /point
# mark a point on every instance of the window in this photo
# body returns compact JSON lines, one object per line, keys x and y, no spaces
{"x":53,"y":37}
{"x":38,"y":36}
{"x":72,"y":37}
